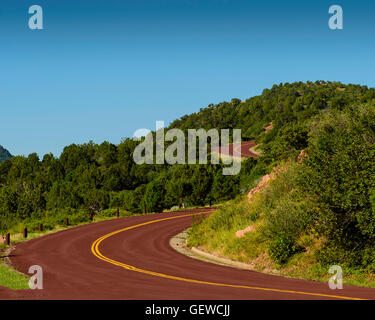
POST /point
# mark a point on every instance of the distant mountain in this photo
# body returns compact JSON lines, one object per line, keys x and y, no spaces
{"x":4,"y":154}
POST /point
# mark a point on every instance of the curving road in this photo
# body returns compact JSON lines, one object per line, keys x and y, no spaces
{"x":130,"y":258}
{"x":238,"y":150}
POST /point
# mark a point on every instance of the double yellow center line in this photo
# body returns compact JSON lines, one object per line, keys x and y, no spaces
{"x":95,"y":250}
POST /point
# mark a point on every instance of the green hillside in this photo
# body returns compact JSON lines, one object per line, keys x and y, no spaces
{"x":4,"y":154}
{"x":331,"y":194}
{"x":315,"y":211}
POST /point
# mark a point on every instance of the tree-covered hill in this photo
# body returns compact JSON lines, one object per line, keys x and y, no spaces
{"x":318,"y":209}
{"x":282,"y":104}
{"x":4,"y":154}
{"x":91,"y":177}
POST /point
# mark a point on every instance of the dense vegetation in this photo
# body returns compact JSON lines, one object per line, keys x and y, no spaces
{"x":323,"y":207}
{"x":328,"y":199}
{"x":4,"y":154}
{"x":93,"y":178}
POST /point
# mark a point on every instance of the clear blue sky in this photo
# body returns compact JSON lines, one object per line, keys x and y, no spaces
{"x":100,"y":70}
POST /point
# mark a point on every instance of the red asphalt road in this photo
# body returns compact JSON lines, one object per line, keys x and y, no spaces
{"x":72,"y":271}
{"x":234,"y":150}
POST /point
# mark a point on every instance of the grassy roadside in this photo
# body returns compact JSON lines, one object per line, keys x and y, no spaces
{"x":253,"y":250}
{"x":12,"y":279}
{"x":9,"y":277}
{"x":275,"y":210}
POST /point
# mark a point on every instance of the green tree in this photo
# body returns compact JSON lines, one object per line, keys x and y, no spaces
{"x":154,"y":196}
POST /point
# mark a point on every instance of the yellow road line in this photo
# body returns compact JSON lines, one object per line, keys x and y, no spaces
{"x":95,"y":250}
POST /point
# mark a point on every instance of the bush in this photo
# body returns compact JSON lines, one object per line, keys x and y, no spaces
{"x":339,"y":171}
{"x":372,"y":200}
{"x":154,"y":196}
{"x":288,"y":214}
{"x":283,"y":247}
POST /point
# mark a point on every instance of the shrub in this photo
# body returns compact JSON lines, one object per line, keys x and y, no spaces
{"x":283,"y":247}
{"x":154,"y":196}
